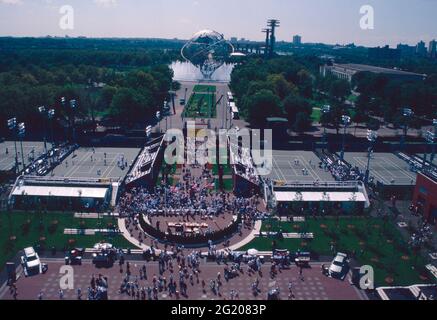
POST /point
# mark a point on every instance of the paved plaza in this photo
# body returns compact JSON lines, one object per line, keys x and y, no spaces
{"x":223,"y":117}
{"x":386,"y":168}
{"x":92,"y":163}
{"x":314,"y":286}
{"x":31,"y":149}
{"x":298,"y":166}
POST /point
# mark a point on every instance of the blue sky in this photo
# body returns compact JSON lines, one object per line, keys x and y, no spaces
{"x":328,"y":21}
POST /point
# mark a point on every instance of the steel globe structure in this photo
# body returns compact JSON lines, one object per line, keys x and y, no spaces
{"x":207,"y":50}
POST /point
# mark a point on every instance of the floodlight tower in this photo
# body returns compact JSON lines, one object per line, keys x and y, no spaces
{"x":266,"y":50}
{"x":346,"y":122}
{"x":64,"y":107}
{"x":407,"y":113}
{"x":73,"y":106}
{"x":43,"y":111}
{"x":272,"y":24}
{"x":21,"y":134}
{"x":12,"y":125}
{"x":50,"y":116}
{"x":326,"y":109}
{"x":371,"y":137}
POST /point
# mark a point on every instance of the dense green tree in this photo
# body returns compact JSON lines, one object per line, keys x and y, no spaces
{"x":302,"y":122}
{"x":339,"y":90}
{"x":131,"y":106}
{"x":293,"y":105}
{"x":262,"y":105}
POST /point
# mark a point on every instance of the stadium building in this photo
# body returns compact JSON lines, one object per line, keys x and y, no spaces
{"x":348,"y":70}
{"x":425,"y":196}
{"x":33,"y":192}
{"x":88,"y":179}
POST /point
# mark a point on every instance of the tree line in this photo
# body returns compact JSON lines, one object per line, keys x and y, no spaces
{"x":279,"y":87}
{"x":291,"y":87}
{"x":109,"y":79}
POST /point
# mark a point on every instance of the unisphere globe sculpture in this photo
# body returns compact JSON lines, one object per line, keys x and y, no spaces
{"x":207,"y":50}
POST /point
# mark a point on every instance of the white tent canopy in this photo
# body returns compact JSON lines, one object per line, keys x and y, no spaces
{"x":57,"y":191}
{"x":293,"y":196}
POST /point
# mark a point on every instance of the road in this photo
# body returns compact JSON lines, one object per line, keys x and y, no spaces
{"x":223,"y":119}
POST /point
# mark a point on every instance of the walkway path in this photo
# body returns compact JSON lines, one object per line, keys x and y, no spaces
{"x":256,"y":230}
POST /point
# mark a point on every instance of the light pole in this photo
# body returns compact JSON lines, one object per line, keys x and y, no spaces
{"x":50,"y":116}
{"x":12,"y":125}
{"x":346,"y":122}
{"x":21,"y":134}
{"x":371,"y":137}
{"x":63,"y":105}
{"x":42,"y":110}
{"x":326,"y":109}
{"x":73,"y":106}
{"x":407,"y":114}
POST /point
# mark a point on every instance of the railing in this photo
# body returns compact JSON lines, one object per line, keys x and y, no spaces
{"x":60,"y":180}
{"x":318,"y":184}
{"x":195,"y":240}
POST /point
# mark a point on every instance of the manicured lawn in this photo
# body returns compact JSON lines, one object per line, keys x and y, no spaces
{"x":29,"y":228}
{"x":317,"y":113}
{"x":352,"y":98}
{"x":351,"y":112}
{"x":374,"y":242}
{"x":201,"y":105}
{"x":205,"y":89}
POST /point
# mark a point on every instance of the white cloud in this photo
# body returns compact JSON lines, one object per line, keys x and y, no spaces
{"x":11,"y":1}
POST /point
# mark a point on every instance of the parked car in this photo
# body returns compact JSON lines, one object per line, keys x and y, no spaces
{"x":74,"y":256}
{"x":103,"y":259}
{"x":31,"y":263}
{"x":105,"y":255}
{"x":339,"y":266}
{"x":302,"y":259}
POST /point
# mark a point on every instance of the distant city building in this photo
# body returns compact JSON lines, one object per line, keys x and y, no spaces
{"x":406,"y":50}
{"x":297,"y":40}
{"x":384,"y":53}
{"x":432,"y":49}
{"x":347,"y":71}
{"x":421,"y":49}
{"x":234,"y":39}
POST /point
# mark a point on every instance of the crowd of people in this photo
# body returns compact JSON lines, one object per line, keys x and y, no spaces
{"x":340,"y":170}
{"x":190,"y":198}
